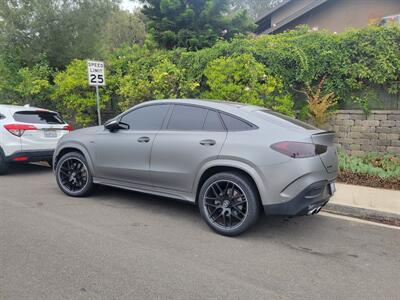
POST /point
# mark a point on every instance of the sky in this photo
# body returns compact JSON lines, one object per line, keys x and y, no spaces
{"x":128,"y":5}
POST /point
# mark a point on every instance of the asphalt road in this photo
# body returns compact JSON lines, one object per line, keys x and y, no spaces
{"x":125,"y":245}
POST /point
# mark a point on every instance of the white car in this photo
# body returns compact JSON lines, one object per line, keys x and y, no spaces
{"x":29,"y":134}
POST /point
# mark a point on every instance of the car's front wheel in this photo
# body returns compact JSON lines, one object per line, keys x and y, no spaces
{"x":73,"y":175}
{"x":229,"y":203}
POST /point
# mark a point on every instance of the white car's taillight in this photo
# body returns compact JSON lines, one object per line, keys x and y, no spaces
{"x":299,"y":149}
{"x":19,"y":129}
{"x":68,"y":127}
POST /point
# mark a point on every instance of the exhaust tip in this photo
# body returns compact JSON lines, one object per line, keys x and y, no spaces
{"x":314,"y":210}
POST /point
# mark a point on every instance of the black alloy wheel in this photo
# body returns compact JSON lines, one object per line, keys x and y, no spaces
{"x":73,"y":176}
{"x":229,"y":203}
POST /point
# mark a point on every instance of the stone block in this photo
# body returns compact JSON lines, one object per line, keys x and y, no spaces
{"x":354,"y":135}
{"x":371,"y":148}
{"x":368,"y":123}
{"x":395,"y":130}
{"x":394,"y":117}
{"x":393,"y":149}
{"x":395,"y":143}
{"x":382,"y":129}
{"x":358,"y":117}
{"x":348,"y":122}
{"x":355,"y":147}
{"x":382,"y":136}
{"x":388,"y":123}
{"x":370,"y":135}
{"x":341,"y":116}
{"x":380,"y":117}
{"x":384,"y":143}
{"x":392,"y":136}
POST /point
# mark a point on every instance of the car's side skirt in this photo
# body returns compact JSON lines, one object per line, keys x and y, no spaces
{"x":145,"y":189}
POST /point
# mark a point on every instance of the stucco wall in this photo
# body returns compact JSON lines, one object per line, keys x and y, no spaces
{"x":338,"y":15}
{"x":358,"y":133}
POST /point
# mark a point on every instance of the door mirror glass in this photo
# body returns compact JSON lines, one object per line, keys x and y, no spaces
{"x":115,"y":125}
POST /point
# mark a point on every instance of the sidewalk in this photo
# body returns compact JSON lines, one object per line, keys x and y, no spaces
{"x":365,"y":202}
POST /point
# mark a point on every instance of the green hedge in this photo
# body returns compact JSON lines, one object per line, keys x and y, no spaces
{"x":268,"y":70}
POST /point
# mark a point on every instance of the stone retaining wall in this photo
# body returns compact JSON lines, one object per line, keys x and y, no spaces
{"x":358,"y":133}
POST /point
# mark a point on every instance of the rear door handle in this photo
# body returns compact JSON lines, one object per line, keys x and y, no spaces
{"x":143,"y":139}
{"x":207,"y":142}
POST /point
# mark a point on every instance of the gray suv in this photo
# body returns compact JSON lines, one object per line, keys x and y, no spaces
{"x":230,"y":159}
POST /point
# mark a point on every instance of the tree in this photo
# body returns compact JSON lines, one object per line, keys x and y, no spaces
{"x":256,"y":8}
{"x":53,"y":30}
{"x":193,"y":24}
{"x":124,"y":28}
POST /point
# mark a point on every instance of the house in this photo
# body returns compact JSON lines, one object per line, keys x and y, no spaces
{"x":334,"y":15}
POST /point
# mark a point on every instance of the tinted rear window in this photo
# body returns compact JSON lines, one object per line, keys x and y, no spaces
{"x":283,"y":120}
{"x":38,"y":117}
{"x":235,"y":124}
{"x":213,"y":122}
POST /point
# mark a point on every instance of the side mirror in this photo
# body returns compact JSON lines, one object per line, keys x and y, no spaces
{"x":115,"y":125}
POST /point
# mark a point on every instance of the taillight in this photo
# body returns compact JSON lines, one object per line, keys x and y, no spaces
{"x":19,"y":129}
{"x":68,"y":127}
{"x":299,"y":149}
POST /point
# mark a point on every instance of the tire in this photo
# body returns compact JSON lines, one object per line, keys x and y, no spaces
{"x":73,"y":175}
{"x":229,"y":203}
{"x":3,"y":164}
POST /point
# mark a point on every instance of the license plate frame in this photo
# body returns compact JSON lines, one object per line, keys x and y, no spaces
{"x":332,"y":188}
{"x":50,"y":134}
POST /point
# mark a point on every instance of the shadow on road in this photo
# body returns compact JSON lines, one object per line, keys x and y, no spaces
{"x":266,"y":227}
{"x":26,"y":169}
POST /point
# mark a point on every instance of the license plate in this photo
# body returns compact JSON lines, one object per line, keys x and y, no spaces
{"x":332,"y":188}
{"x":50,"y":134}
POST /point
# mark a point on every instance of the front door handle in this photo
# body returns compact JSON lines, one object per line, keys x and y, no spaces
{"x":207,"y":142}
{"x":143,"y":139}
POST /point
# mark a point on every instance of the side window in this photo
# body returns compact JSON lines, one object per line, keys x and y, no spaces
{"x":213,"y":122}
{"x":146,"y":118}
{"x":2,"y":117}
{"x":186,"y":117}
{"x":235,"y":124}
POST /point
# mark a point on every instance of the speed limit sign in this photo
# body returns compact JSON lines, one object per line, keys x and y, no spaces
{"x":96,"y":78}
{"x":96,"y":73}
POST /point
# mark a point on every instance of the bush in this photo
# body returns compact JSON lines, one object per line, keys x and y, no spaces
{"x":274,"y":71}
{"x":242,"y":79}
{"x":72,"y":95}
{"x":381,"y":165}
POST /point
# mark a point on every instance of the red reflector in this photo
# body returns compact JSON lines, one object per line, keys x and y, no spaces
{"x":68,"y":127}
{"x":20,"y":158}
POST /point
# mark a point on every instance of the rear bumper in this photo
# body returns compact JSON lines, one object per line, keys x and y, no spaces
{"x":30,"y":156}
{"x":313,"y":197}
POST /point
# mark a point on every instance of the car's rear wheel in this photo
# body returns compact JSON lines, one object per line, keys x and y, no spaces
{"x":73,"y":175}
{"x":229,"y":203}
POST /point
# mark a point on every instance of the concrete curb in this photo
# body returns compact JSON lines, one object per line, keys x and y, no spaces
{"x":365,"y":214}
{"x":368,"y":203}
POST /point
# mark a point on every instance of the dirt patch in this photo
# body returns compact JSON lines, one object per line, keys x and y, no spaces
{"x":349,"y":177}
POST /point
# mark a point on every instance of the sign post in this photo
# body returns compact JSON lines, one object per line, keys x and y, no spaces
{"x":96,"y":78}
